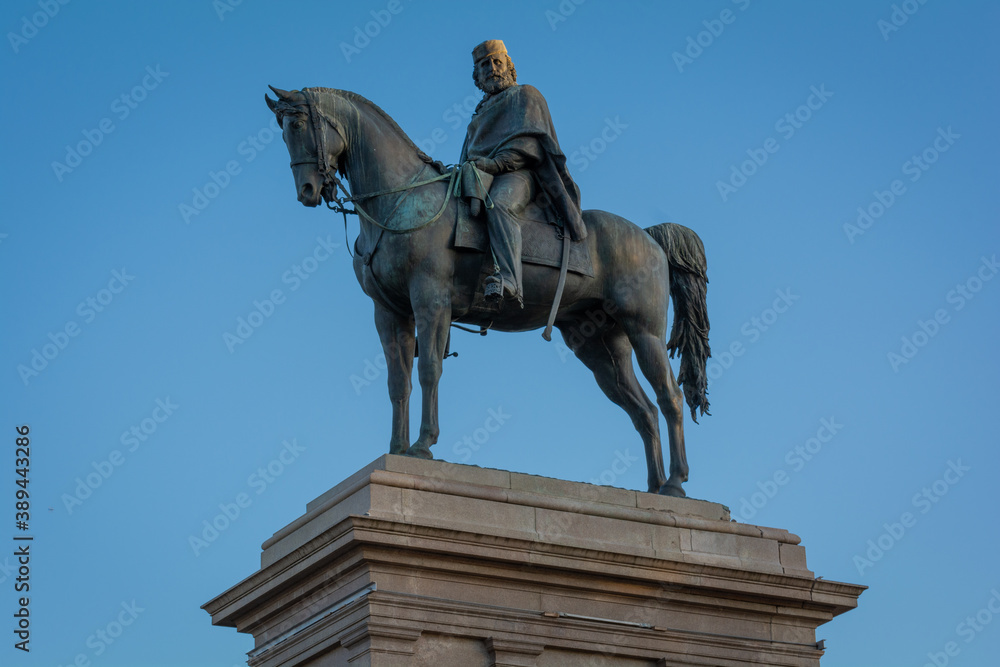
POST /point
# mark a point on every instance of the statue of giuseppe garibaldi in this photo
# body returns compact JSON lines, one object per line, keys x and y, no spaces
{"x":511,"y":137}
{"x":510,"y":153}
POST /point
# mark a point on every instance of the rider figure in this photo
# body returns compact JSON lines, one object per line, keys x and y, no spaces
{"x":511,"y":136}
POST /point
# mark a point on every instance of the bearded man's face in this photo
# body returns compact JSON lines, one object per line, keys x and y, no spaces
{"x":493,"y":74}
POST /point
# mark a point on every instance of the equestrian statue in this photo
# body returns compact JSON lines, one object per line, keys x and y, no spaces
{"x":499,"y":242}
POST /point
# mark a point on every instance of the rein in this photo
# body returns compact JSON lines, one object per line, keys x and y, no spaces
{"x":331,"y":183}
{"x":338,"y":203}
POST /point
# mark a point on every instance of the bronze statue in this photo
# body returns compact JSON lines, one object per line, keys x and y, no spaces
{"x":511,"y":138}
{"x":413,"y":258}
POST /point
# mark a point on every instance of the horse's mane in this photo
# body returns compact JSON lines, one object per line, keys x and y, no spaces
{"x":355,"y":98}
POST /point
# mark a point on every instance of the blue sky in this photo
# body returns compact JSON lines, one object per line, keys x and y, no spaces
{"x":869,"y":218}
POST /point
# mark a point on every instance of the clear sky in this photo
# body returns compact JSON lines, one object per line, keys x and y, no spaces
{"x":838,"y":159}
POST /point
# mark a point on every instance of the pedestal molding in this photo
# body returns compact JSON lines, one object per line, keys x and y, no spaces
{"x":403,"y":565}
{"x":305,"y":625}
{"x":508,"y":653}
{"x":836,"y":597}
{"x":531,"y":499}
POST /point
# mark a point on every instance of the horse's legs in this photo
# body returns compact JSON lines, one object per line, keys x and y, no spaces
{"x":433,"y":319}
{"x":651,"y":353}
{"x":396,"y":334}
{"x":608,"y":354}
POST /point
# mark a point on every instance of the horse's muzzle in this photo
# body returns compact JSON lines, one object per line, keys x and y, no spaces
{"x":309,"y":195}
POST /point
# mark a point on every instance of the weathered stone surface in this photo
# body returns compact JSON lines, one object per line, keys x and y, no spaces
{"x":412,"y":562}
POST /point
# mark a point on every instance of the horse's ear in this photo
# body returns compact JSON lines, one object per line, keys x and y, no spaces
{"x":271,"y":104}
{"x":282,"y":94}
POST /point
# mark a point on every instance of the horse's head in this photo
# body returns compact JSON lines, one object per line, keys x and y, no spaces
{"x":314,"y":144}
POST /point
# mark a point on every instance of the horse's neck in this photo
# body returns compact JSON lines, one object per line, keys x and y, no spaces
{"x":380,"y":158}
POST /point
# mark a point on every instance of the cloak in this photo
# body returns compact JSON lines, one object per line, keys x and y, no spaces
{"x":514,"y":119}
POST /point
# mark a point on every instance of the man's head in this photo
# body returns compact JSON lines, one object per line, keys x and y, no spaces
{"x":493,"y":69}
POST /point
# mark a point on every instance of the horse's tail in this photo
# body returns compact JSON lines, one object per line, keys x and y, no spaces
{"x":688,"y":287}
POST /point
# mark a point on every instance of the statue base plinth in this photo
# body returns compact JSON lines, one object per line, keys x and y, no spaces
{"x":412,"y":562}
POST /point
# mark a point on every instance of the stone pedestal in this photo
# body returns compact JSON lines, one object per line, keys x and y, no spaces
{"x":411,"y":562}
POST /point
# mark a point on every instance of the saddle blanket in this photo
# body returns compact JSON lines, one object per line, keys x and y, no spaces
{"x":541,"y":242}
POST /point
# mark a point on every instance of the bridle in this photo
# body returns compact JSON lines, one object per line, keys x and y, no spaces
{"x":331,"y":183}
{"x":328,"y":188}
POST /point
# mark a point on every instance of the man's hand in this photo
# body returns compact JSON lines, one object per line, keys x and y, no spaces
{"x":486,"y":164}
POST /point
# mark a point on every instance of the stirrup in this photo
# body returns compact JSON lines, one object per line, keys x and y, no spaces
{"x":493,"y":288}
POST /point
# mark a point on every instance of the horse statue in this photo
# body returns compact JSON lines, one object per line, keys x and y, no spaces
{"x":406,"y":260}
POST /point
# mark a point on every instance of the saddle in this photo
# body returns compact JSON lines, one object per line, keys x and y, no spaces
{"x":541,"y":233}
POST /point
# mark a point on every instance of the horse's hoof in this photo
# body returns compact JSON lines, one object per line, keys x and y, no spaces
{"x":673,"y":490}
{"x":419,"y":452}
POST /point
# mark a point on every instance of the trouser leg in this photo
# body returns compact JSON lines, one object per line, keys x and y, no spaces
{"x":510,"y":193}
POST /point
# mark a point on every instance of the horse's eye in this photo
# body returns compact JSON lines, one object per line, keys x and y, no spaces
{"x":299,"y":124}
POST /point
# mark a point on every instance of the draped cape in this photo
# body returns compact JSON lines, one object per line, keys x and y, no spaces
{"x":515,"y":119}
